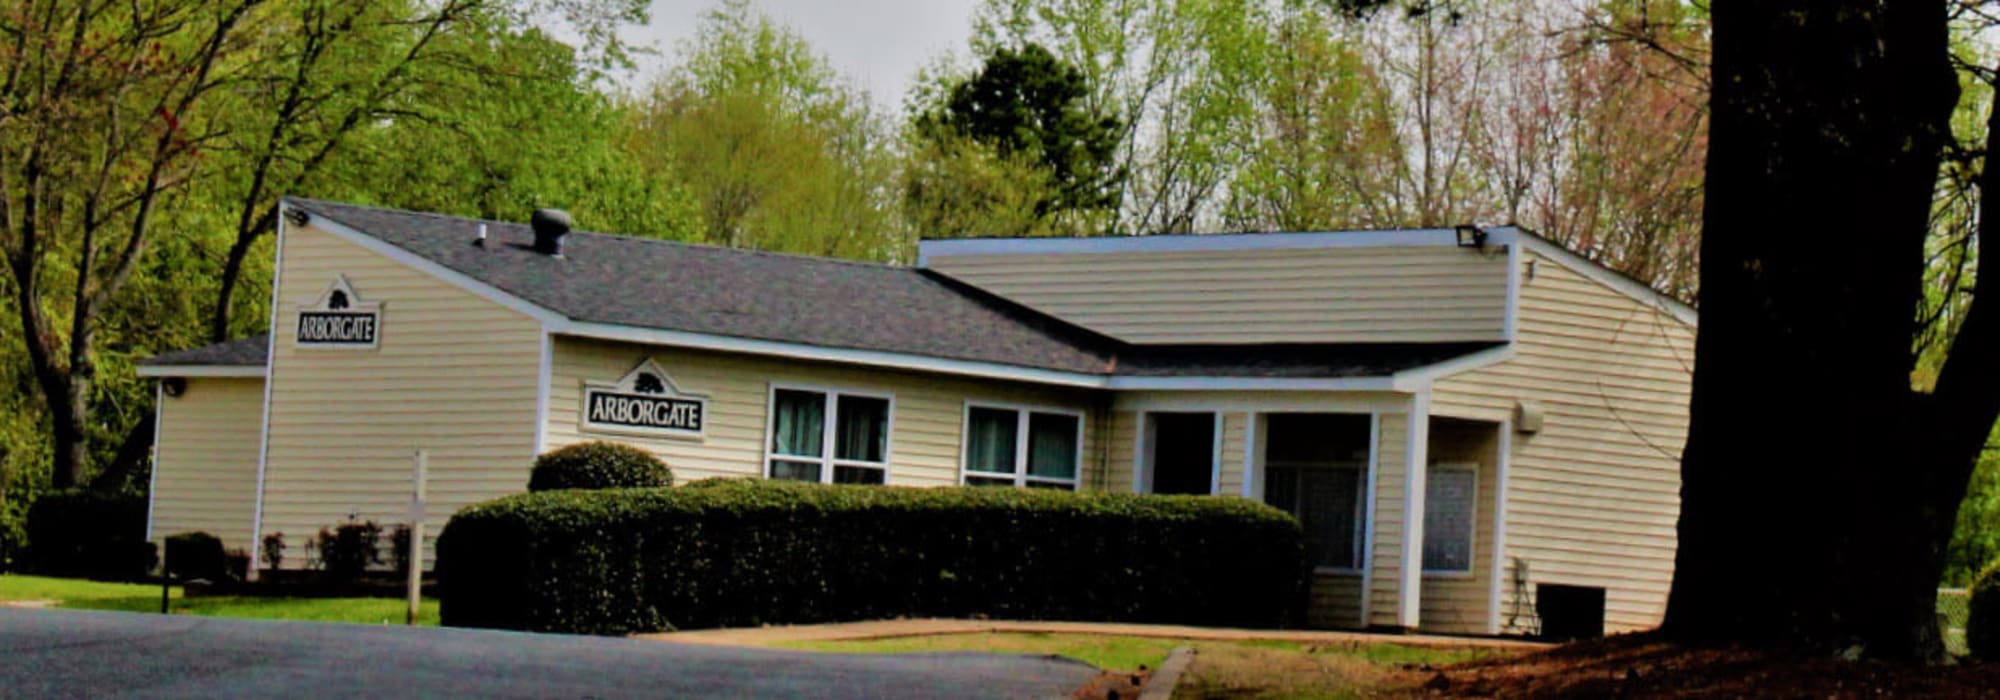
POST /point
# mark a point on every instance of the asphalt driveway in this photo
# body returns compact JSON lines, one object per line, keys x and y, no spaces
{"x":75,"y":653}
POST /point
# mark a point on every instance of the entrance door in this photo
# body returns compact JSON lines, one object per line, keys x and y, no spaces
{"x":1183,"y":452}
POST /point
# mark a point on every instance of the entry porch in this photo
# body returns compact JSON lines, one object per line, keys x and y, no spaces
{"x":1402,"y":508}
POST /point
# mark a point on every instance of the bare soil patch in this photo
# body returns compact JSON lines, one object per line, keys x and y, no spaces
{"x":1645,"y":666}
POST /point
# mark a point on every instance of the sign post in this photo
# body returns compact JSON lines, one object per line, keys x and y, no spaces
{"x":416,"y":547}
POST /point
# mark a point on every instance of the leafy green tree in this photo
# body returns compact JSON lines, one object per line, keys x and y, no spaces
{"x":142,"y":149}
{"x":1026,"y":102}
{"x":507,"y":138}
{"x":956,"y":187}
{"x":105,"y":120}
{"x":776,"y":151}
{"x":1324,"y":141}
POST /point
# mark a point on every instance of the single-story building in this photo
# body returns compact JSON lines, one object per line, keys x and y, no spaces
{"x":1459,"y":417}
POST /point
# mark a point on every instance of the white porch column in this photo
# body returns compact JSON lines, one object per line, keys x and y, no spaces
{"x":1410,"y":583}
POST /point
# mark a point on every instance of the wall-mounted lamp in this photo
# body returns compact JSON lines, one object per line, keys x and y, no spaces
{"x":1470,"y":236}
{"x":298,"y":217}
{"x":174,"y":386}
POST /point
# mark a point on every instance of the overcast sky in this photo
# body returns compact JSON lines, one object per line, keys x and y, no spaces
{"x":879,"y":44}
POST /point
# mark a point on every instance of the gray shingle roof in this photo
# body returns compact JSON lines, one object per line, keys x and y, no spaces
{"x":821,"y":302}
{"x":242,"y":352}
{"x":1289,"y":361}
{"x":737,"y":293}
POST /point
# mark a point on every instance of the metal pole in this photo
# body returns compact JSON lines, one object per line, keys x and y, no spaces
{"x":166,"y":579}
{"x":416,"y":564}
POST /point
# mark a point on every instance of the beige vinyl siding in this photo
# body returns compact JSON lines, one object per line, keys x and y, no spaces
{"x":455,"y":375}
{"x":1594,"y":496}
{"x":1335,"y":601}
{"x":1335,"y":295}
{"x":205,"y":465}
{"x":1386,"y":563}
{"x":1122,"y":452}
{"x":1235,"y":430}
{"x":1457,"y":603}
{"x":925,"y":426}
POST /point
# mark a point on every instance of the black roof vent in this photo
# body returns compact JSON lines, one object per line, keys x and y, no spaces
{"x":550,"y":227}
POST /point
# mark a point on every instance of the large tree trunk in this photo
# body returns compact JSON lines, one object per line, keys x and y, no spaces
{"x":1814,"y":510}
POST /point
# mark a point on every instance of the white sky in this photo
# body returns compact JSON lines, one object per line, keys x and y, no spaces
{"x":878,"y":44}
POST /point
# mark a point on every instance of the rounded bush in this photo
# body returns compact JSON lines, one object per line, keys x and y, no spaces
{"x":81,"y":533}
{"x":598,"y":465}
{"x":196,"y":555}
{"x":1982,"y":620}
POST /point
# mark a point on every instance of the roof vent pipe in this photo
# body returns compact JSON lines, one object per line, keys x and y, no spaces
{"x":550,"y":226}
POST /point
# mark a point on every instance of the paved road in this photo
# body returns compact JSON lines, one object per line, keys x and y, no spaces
{"x":73,"y":653}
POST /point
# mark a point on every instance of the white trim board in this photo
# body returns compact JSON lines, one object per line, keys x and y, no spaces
{"x":153,"y":479}
{"x":1503,"y":462}
{"x":256,"y":544}
{"x":1416,"y":464}
{"x":1368,"y":519}
{"x":1420,"y":378}
{"x":253,"y":371}
{"x":1208,"y":242}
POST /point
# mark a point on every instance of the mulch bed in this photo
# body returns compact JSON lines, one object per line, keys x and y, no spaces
{"x":1644,"y":666}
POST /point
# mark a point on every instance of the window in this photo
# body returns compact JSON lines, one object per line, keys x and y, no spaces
{"x":801,"y":432}
{"x":1316,"y":468}
{"x":1450,"y":501}
{"x":1022,"y":447}
{"x":1326,"y":498}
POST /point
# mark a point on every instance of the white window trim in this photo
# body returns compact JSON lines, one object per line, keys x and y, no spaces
{"x":1361,"y":533}
{"x":1143,"y":468}
{"x":1021,"y":413}
{"x":828,"y":445}
{"x":1472,"y":540}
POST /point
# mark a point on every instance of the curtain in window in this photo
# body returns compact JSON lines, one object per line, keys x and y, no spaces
{"x":862,"y":430}
{"x":1052,"y":445}
{"x":800,"y":423}
{"x":989,"y":441}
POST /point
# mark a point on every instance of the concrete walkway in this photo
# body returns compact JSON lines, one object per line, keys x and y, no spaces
{"x":765,"y":636}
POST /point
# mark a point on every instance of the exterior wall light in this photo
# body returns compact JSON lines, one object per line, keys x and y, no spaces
{"x":1470,"y":236}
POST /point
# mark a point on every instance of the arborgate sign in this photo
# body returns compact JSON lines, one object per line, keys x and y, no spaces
{"x":644,"y":402}
{"x":340,"y":319}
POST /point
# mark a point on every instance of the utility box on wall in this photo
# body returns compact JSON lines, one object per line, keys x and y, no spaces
{"x":1570,"y":612}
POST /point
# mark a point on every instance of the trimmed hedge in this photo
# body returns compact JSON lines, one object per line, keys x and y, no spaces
{"x":1982,"y":619}
{"x":196,"y":555}
{"x":89,"y":534}
{"x":598,"y":465}
{"x":749,"y":552}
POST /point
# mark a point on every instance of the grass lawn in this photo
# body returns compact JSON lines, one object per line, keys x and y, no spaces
{"x":139,"y":597}
{"x":1221,"y":669}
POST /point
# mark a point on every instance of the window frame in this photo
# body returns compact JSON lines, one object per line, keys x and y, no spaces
{"x":1472,"y":537}
{"x":1020,"y":475}
{"x":829,"y":437}
{"x":1363,"y":478}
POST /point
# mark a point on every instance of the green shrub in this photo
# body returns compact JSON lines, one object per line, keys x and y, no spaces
{"x":274,"y":550}
{"x":754,"y":552}
{"x":195,"y":555}
{"x":348,"y":549}
{"x":89,"y":534}
{"x":1982,"y":620}
{"x":598,"y":465}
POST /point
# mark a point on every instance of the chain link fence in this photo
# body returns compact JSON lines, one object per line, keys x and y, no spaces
{"x":1953,"y":605}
